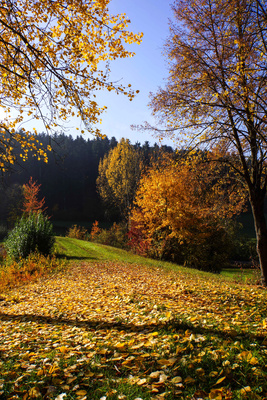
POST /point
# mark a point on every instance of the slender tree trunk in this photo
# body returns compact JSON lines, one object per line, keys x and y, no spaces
{"x":257,"y":204}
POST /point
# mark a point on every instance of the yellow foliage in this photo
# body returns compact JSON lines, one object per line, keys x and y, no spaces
{"x":54,"y":56}
{"x":119,"y":174}
{"x":216,"y":90}
{"x":184,"y":202}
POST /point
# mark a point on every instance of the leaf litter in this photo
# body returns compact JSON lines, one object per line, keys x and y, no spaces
{"x":124,"y":331}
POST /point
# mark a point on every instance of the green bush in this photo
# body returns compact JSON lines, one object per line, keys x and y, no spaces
{"x":116,"y":236}
{"x":32,"y":233}
{"x":77,"y":232}
{"x":244,"y":249}
{"x":209,"y":252}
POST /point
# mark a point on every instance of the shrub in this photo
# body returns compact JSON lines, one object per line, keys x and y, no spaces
{"x":212,"y":253}
{"x":95,"y":231}
{"x":116,"y":236}
{"x":244,"y":249}
{"x":32,"y":233}
{"x":137,"y":242}
{"x":183,"y":212}
{"x":77,"y":232}
{"x":13,"y":273}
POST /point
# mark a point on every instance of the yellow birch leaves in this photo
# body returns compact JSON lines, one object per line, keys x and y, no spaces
{"x":54,"y":56}
{"x":185,"y":205}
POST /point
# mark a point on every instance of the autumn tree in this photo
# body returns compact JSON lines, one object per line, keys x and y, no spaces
{"x":55,"y":56}
{"x":119,"y":173}
{"x":216,"y":90}
{"x":31,"y":203}
{"x":183,"y":211}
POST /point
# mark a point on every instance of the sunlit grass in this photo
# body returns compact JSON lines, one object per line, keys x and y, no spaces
{"x":77,"y":250}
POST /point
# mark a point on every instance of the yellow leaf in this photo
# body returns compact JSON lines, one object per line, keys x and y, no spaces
{"x":162,"y":378}
{"x":253,"y":361}
{"x":40,"y":372}
{"x":245,"y":390}
{"x":189,"y":380}
{"x":216,"y":394}
{"x":127,"y":363}
{"x":103,"y":351}
{"x":138,"y":346}
{"x":176,"y":379}
{"x":63,"y":349}
{"x":200,"y":371}
{"x":111,"y":392}
{"x":220,"y":380}
{"x":81,"y":392}
{"x":34,"y":393}
{"x":141,"y":382}
{"x":179,"y":350}
{"x":61,"y":396}
{"x":245,"y":355}
{"x":200,"y":394}
{"x":52,"y":369}
{"x":120,"y":345}
{"x":90,"y":374}
{"x":213,"y":373}
{"x":168,"y":362}
{"x":155,"y":374}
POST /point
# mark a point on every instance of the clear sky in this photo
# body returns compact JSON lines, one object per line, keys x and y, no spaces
{"x":145,"y":71}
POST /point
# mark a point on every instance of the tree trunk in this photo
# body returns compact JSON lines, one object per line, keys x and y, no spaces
{"x":257,"y":205}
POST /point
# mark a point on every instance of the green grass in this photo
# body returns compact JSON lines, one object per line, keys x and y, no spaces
{"x":75,"y":249}
{"x":79,"y":250}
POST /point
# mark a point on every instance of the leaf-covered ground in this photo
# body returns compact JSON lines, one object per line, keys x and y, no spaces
{"x":121,"y":331}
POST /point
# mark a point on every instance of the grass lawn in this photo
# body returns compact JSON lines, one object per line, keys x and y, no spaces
{"x":112,"y":325}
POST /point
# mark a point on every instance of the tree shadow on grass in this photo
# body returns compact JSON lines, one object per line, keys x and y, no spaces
{"x":64,"y":256}
{"x":168,"y":326}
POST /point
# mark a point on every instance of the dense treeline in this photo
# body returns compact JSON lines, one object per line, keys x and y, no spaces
{"x":68,"y":180}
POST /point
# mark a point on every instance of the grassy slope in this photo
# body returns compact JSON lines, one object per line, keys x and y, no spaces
{"x":119,"y":327}
{"x":74,"y":249}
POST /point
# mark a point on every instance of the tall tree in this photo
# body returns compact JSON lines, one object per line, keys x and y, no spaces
{"x":216,"y":90}
{"x":119,"y":174}
{"x":182,"y":210}
{"x":54,"y":55}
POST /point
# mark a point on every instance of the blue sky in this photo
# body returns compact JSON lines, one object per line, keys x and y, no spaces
{"x":145,"y":71}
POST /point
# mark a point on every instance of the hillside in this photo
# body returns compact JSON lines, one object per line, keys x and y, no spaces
{"x":124,"y":330}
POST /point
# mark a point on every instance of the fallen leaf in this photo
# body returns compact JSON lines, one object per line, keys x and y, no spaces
{"x":60,"y":396}
{"x":155,"y":374}
{"x":81,"y":392}
{"x":220,"y":380}
{"x":141,"y":382}
{"x":34,"y":392}
{"x":189,"y":380}
{"x":216,"y":394}
{"x":176,"y":380}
